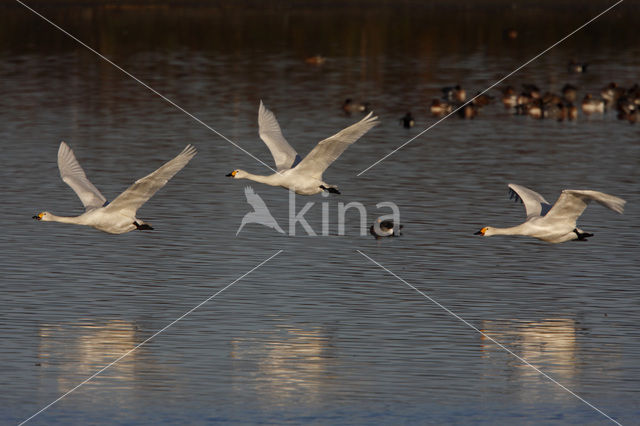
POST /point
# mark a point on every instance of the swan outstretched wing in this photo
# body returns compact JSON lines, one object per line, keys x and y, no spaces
{"x":534,"y":203}
{"x":328,"y":150}
{"x":72,"y":174}
{"x":572,"y":203}
{"x":137,"y":194}
{"x":283,"y":154}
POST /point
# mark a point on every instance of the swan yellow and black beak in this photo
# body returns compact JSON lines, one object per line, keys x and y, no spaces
{"x":232,"y":174}
{"x":481,"y":232}
{"x":38,"y":216}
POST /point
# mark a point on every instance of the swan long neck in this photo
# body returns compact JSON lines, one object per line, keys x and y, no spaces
{"x":272,"y":180}
{"x":514,"y":230}
{"x":64,"y":219}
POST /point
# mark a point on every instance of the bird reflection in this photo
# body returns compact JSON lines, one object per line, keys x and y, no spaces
{"x":549,"y":344}
{"x":290,"y":364}
{"x":81,"y":349}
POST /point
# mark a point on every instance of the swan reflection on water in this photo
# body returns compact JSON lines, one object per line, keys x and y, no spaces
{"x":549,"y":344}
{"x":285,"y":365}
{"x":74,"y":352}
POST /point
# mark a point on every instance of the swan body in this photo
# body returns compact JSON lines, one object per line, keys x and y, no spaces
{"x":119,"y":216}
{"x":302,"y":176}
{"x":554,"y":223}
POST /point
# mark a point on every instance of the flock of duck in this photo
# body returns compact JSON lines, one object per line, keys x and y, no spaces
{"x":532,"y":102}
{"x":552,"y":223}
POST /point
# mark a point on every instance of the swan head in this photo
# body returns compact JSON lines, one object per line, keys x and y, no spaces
{"x":237,"y":174}
{"x":46,"y":216}
{"x":487,"y":231}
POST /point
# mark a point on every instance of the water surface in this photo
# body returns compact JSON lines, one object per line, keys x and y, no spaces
{"x":319,"y":334}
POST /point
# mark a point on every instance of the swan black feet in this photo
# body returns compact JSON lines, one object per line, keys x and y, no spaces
{"x":143,"y":227}
{"x":330,"y":189}
{"x":582,"y":236}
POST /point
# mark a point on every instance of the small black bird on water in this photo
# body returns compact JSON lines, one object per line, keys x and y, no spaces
{"x":386,"y":229}
{"x":407,"y":121}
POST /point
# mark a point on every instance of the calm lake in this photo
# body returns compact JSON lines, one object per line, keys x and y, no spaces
{"x":319,"y":334}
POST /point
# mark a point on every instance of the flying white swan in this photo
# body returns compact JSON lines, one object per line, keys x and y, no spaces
{"x":303,"y":176}
{"x":119,"y":216}
{"x":557,"y":223}
{"x":260,"y":213}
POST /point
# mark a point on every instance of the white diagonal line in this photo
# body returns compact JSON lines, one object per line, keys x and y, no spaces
{"x":153,"y":335}
{"x":145,"y":85}
{"x":491,"y":87}
{"x":458,"y":317}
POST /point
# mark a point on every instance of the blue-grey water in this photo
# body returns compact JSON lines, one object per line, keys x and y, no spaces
{"x":318,"y":334}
